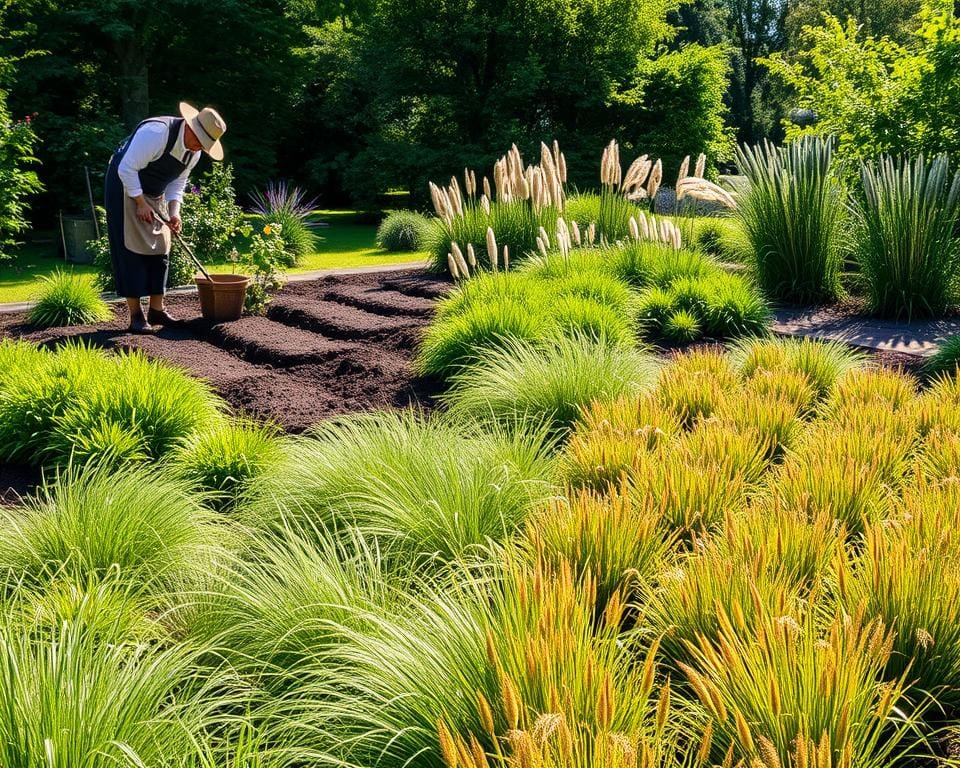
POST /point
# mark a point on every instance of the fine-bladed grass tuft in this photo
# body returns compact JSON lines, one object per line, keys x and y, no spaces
{"x":67,"y":299}
{"x":145,"y":529}
{"x":549,"y":383}
{"x":791,"y":219}
{"x":905,"y":231}
{"x":426,"y":489}
{"x":225,"y":459}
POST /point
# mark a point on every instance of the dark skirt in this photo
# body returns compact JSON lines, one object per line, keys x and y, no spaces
{"x":134,"y":274}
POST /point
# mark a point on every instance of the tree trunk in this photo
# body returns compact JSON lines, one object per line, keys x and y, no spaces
{"x":134,"y":82}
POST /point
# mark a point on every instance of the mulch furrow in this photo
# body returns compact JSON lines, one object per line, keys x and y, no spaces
{"x":381,"y":302}
{"x":265,"y":341}
{"x":337,"y":321}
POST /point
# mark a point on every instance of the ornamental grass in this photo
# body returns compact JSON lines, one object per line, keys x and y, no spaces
{"x":905,"y":235}
{"x":549,"y":383}
{"x":791,"y":218}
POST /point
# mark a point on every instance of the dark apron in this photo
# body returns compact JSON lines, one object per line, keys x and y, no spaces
{"x":140,"y":252}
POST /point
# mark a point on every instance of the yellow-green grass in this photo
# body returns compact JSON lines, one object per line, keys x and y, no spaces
{"x":344,"y":244}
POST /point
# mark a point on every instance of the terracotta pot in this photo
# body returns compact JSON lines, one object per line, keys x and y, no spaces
{"x":222,"y":296}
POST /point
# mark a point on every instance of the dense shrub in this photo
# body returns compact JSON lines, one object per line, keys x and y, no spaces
{"x":791,"y":218}
{"x":548,"y":384}
{"x":403,"y":231}
{"x":877,"y":95}
{"x":210,"y":214}
{"x":67,"y":299}
{"x":17,"y":179}
{"x":905,"y":236}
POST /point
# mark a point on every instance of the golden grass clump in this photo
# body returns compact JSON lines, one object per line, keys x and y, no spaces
{"x":939,"y":456}
{"x":691,"y":393}
{"x":615,"y":537}
{"x":785,"y":544}
{"x":849,"y":474}
{"x":775,"y":685}
{"x":605,"y":445}
{"x":683,"y":603}
{"x":700,"y":477}
{"x":912,"y":585}
{"x":821,"y":362}
{"x":872,"y":388}
{"x":570,"y":692}
{"x":775,"y":422}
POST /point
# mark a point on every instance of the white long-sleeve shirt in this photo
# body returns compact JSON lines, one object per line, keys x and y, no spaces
{"x":146,"y":146}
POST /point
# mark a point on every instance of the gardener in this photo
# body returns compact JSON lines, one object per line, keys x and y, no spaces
{"x":148,"y":173}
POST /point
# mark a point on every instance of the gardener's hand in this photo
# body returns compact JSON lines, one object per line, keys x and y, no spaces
{"x":175,"y":223}
{"x":144,"y":212}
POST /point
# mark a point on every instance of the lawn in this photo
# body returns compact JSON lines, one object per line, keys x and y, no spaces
{"x":344,"y":243}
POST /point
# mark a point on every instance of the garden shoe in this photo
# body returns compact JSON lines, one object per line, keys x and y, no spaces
{"x":161,"y":317}
{"x":139,"y":324}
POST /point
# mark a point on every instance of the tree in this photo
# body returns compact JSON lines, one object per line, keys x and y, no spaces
{"x":17,"y":141}
{"x":432,"y":86}
{"x":876,"y":95}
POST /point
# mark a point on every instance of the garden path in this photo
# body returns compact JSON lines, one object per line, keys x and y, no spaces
{"x":919,"y":337}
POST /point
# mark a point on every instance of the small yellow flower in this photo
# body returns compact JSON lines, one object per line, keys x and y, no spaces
{"x":267,"y":230}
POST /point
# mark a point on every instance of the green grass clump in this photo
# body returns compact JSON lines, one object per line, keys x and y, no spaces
{"x":224,"y":460}
{"x":425,"y":488}
{"x":733,"y":308}
{"x":905,"y":229}
{"x":70,"y":698}
{"x":945,"y":360}
{"x":681,"y":326}
{"x":645,"y":263}
{"x":403,"y":231}
{"x":791,"y":218}
{"x":136,"y":526}
{"x":454,"y":342}
{"x":65,"y":299}
{"x":288,"y":600}
{"x":596,"y":286}
{"x":592,"y":319}
{"x":515,"y":224}
{"x":714,"y":236}
{"x":492,"y":309}
{"x":550,"y":383}
{"x":35,"y":395}
{"x":150,"y":405}
{"x":79,"y":403}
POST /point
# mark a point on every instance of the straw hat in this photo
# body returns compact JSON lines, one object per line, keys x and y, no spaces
{"x":208,"y":126}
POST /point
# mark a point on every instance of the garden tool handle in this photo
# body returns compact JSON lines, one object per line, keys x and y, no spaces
{"x":182,"y":242}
